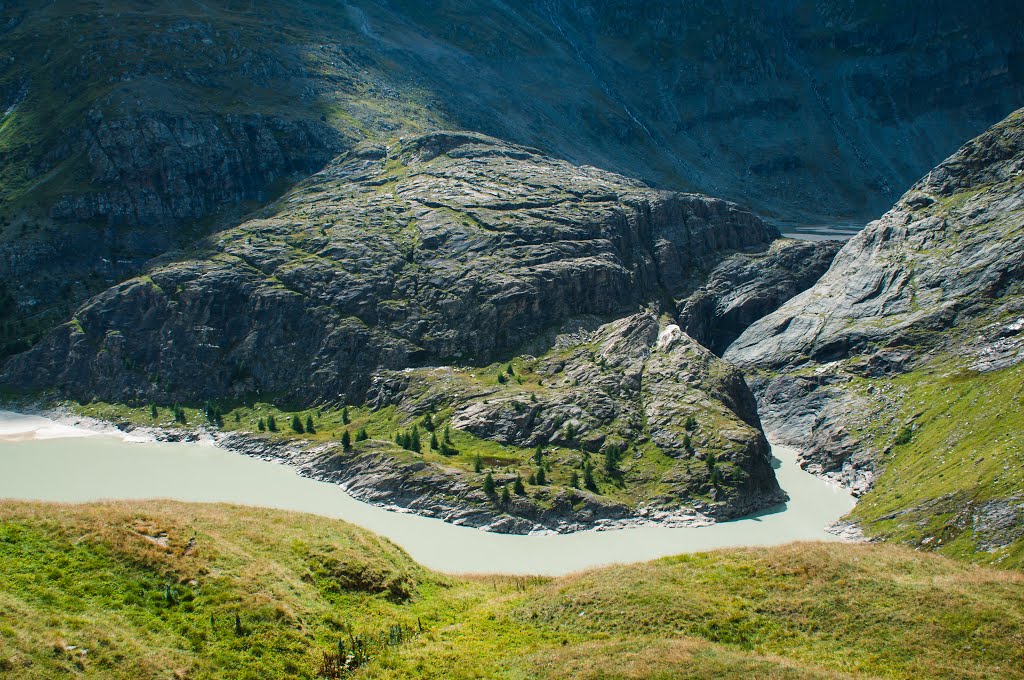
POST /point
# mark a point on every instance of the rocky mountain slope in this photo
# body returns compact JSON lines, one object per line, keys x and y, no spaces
{"x":454,"y":281}
{"x":444,"y":246}
{"x":904,"y":358}
{"x":159,"y":122}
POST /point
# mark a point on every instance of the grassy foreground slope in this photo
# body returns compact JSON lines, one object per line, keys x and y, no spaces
{"x":152,"y":589}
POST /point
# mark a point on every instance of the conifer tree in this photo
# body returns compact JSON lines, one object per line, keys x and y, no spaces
{"x":538,"y":455}
{"x":414,"y":439}
{"x":434,"y":444}
{"x":260,"y":425}
{"x":361,"y":435}
{"x":506,"y":497}
{"x":447,"y":435}
{"x":346,"y":440}
{"x":518,"y":487}
{"x":309,"y":425}
{"x":489,"y":484}
{"x":478,"y":464}
{"x":344,"y":415}
{"x":574,"y":480}
{"x":271,"y":423}
{"x":152,"y":410}
{"x":541,"y":477}
{"x":297,"y":424}
{"x":588,"y":478}
{"x":428,"y":423}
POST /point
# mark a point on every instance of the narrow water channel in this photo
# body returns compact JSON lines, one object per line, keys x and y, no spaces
{"x":44,"y":460}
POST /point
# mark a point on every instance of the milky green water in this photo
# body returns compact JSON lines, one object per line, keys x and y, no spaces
{"x":42,"y":460}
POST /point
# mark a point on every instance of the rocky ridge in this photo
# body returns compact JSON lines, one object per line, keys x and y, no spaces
{"x":449,"y":246}
{"x":925,"y":303}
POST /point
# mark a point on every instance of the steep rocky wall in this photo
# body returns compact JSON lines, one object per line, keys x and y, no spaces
{"x":939,"y":278}
{"x":446,"y":246}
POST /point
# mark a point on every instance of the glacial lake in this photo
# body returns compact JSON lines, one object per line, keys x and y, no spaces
{"x":44,"y":460}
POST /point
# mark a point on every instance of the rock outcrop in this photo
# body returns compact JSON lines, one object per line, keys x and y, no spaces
{"x":747,"y":287}
{"x":940,"y":276}
{"x":684,"y":421}
{"x":439,"y":247}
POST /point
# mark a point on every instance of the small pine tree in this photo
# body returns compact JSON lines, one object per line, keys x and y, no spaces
{"x":687,"y":443}
{"x":541,"y":477}
{"x":344,"y":415}
{"x":346,"y":440}
{"x":509,"y":370}
{"x":506,"y":497}
{"x":532,"y":479}
{"x":428,"y":423}
{"x":361,"y":435}
{"x":710,"y":460}
{"x":478,"y":464}
{"x":574,"y":480}
{"x":271,"y":423}
{"x":570,"y":432}
{"x":611,"y":460}
{"x":152,"y":411}
{"x":297,"y":424}
{"x":502,"y":379}
{"x":489,"y":484}
{"x":518,"y":487}
{"x":434,"y":444}
{"x":260,"y":425}
{"x":447,"y":435}
{"x":588,"y":478}
{"x":538,"y":455}
{"x":691,"y":424}
{"x":309,"y":425}
{"x":414,"y":440}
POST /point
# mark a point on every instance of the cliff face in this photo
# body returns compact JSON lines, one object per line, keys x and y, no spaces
{"x":442,"y":246}
{"x":156,"y":124}
{"x":899,"y":369}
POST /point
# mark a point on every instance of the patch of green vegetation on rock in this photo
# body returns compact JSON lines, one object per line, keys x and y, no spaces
{"x":953,"y":459}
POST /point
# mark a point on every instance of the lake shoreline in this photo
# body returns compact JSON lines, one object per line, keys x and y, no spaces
{"x":378,"y":481}
{"x":98,"y":461}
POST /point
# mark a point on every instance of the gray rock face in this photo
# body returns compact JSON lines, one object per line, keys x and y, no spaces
{"x":942,"y":272}
{"x":451,"y":245}
{"x":747,"y":287}
{"x":151,"y":128}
